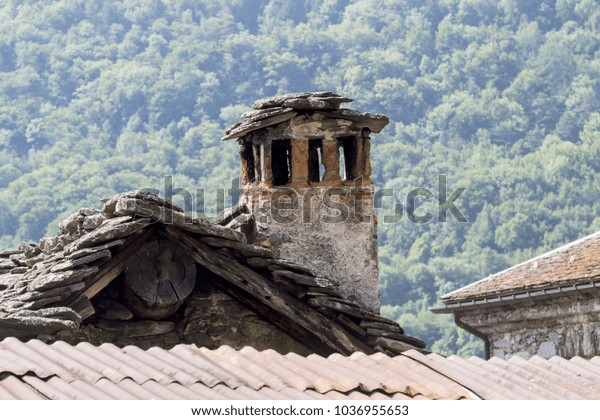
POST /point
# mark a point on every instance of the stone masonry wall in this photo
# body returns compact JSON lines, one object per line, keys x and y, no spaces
{"x":331,"y":230}
{"x":215,"y":319}
{"x":567,"y":326}
{"x":209,"y":318}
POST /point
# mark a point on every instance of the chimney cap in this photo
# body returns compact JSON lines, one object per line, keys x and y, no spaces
{"x":280,"y":109}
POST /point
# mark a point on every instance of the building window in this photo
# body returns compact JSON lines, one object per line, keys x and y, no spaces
{"x":281,"y":158}
{"x":316,"y":169}
{"x":347,"y":152}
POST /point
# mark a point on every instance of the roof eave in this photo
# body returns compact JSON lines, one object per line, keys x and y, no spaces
{"x":453,"y":306}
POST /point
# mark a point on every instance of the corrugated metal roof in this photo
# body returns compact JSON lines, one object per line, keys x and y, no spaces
{"x":517,"y":378}
{"x":35,"y":370}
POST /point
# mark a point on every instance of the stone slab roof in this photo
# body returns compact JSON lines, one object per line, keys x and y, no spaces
{"x":280,"y":109}
{"x":36,"y":370}
{"x":46,"y":288}
{"x":574,"y":264}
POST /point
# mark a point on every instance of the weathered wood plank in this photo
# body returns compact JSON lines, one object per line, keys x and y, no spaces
{"x":99,"y":283}
{"x":290,"y":286}
{"x":374,"y":333}
{"x":158,"y":278}
{"x":269,"y":294}
{"x":394,"y":346}
{"x":287,"y":265}
{"x":246,"y":250}
{"x":377,"y":332}
{"x":83,"y":306}
{"x":351,"y":326}
{"x":259,"y":262}
{"x":349,"y":308}
{"x":322,"y":291}
{"x":302,"y":279}
{"x":382,"y":326}
{"x":111,"y":269}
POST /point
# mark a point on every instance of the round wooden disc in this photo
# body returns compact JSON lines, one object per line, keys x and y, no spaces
{"x":157,"y":279}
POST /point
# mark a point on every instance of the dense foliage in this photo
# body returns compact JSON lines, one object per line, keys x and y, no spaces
{"x":501,"y":96}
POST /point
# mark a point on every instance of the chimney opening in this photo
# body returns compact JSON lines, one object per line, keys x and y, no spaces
{"x":281,"y":161}
{"x":347,"y":153}
{"x":247,"y":155}
{"x":316,"y":169}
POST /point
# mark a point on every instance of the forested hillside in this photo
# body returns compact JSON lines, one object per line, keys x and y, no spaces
{"x":99,"y":97}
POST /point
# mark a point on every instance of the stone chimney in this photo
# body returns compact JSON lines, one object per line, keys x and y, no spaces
{"x":306,"y":178}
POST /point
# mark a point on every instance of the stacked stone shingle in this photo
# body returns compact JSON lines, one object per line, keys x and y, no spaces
{"x":70,"y":286}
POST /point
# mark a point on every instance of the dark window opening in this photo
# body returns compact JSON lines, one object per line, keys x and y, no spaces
{"x":247,"y":156}
{"x":347,"y":151}
{"x":316,"y":170}
{"x":281,"y":158}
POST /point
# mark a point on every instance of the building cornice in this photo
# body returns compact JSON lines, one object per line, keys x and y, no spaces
{"x":537,"y":294}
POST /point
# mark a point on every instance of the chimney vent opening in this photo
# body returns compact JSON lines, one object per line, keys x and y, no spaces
{"x":347,"y":153}
{"x":316,"y":169}
{"x":281,"y":155}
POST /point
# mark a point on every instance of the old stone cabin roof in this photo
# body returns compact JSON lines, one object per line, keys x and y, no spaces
{"x":569,"y":269}
{"x":36,"y":370}
{"x":45,"y":288}
{"x":275,"y":110}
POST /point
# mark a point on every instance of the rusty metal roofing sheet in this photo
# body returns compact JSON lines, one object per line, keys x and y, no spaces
{"x":60,"y":371}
